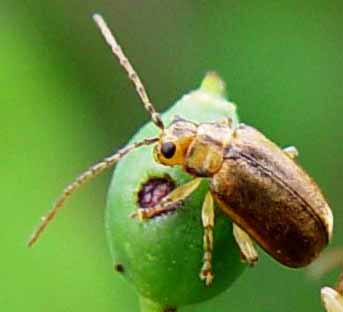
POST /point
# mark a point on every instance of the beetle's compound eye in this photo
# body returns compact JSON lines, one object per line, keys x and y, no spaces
{"x":168,"y":149}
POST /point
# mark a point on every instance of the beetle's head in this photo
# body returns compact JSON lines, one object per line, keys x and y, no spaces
{"x":174,"y":142}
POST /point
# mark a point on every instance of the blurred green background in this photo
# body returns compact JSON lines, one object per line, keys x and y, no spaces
{"x":66,"y":103}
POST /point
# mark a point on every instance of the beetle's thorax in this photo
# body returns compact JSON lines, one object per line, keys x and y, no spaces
{"x":205,"y":154}
{"x":199,"y":149}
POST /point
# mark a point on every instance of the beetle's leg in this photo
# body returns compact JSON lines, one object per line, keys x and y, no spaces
{"x":291,"y":151}
{"x":168,"y":203}
{"x":333,"y":298}
{"x":207,"y":216}
{"x":246,"y":245}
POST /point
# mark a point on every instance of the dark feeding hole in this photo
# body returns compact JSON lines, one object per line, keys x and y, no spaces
{"x":169,"y":310}
{"x":119,"y":268}
{"x":153,"y":190}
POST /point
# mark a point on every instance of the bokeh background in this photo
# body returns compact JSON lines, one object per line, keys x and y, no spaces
{"x":65,"y":102}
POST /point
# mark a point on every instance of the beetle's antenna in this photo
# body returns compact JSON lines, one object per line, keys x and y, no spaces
{"x":86,"y":176}
{"x":123,"y":60}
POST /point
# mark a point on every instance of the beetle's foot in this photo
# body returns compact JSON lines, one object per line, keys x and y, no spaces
{"x":332,"y":299}
{"x":138,"y":214}
{"x":206,"y":273}
{"x":246,"y":246}
{"x":142,"y":214}
{"x":249,"y":261}
{"x":291,"y":151}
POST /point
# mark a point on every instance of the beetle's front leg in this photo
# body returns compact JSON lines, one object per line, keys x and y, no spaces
{"x":332,"y":298}
{"x":246,"y":245}
{"x":168,"y":203}
{"x":207,"y":216}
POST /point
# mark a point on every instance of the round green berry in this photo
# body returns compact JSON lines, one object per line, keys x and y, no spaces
{"x":162,"y":257}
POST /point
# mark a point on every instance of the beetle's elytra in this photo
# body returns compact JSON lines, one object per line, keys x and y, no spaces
{"x":256,"y":184}
{"x":266,"y":193}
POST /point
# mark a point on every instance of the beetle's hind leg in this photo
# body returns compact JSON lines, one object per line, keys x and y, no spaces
{"x":246,"y":245}
{"x":168,"y":202}
{"x":291,"y":151}
{"x":207,"y":216}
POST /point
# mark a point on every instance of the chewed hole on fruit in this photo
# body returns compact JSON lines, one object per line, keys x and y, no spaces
{"x":153,"y":190}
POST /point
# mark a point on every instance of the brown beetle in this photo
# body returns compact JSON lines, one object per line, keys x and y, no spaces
{"x":258,"y":185}
{"x":254,"y":182}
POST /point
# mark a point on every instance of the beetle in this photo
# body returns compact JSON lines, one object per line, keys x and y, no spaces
{"x":259,"y":186}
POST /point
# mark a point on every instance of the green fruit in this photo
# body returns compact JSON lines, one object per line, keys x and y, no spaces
{"x":162,"y":257}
